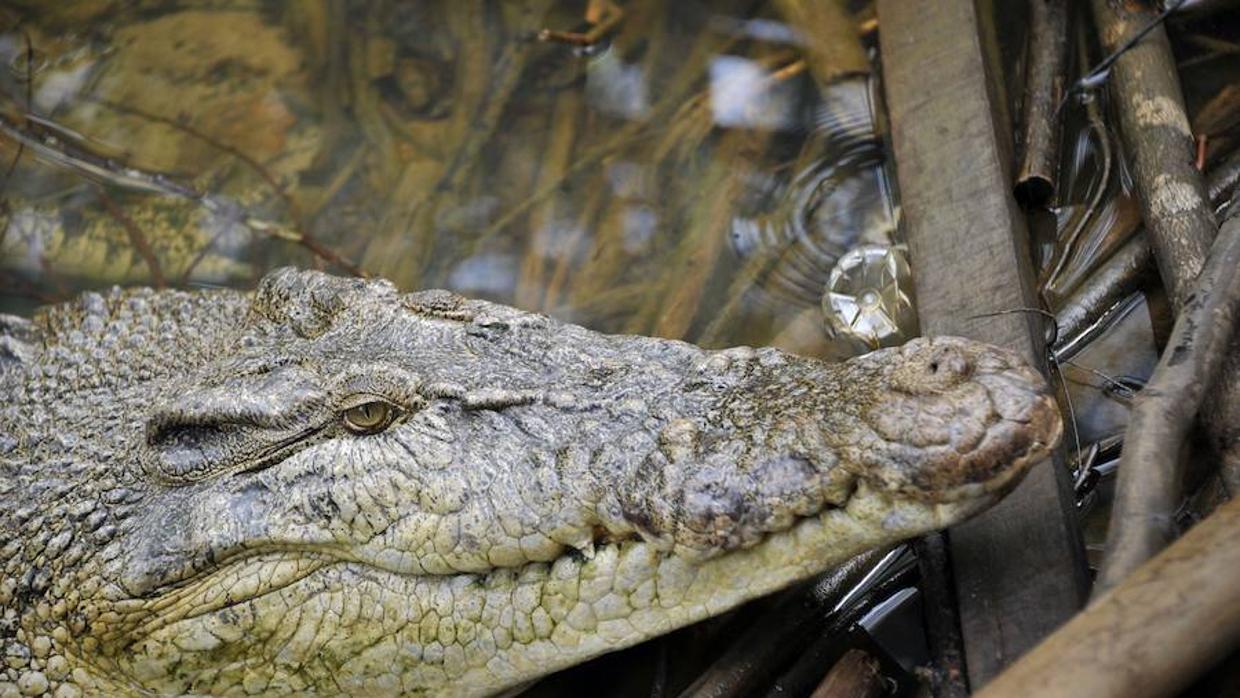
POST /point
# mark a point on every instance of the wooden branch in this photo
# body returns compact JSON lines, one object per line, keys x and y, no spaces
{"x":1172,"y":619}
{"x":1044,"y":92}
{"x":1147,"y":492}
{"x":1225,"y":177}
{"x":1178,"y":220}
{"x":1125,"y":272}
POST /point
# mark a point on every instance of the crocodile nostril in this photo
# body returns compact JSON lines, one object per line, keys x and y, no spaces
{"x":949,"y":362}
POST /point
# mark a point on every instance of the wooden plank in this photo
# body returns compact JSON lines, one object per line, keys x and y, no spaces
{"x":1019,"y":569}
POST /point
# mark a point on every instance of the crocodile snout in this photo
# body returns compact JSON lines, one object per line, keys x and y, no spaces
{"x":957,"y":419}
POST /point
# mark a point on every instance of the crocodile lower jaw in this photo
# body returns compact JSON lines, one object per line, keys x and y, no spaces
{"x":559,"y":613}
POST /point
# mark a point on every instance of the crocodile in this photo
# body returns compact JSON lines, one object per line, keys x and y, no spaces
{"x":329,"y":486}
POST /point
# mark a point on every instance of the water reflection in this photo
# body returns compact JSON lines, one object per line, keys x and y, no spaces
{"x":682,"y":170}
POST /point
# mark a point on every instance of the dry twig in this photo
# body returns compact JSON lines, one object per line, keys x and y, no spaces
{"x":136,"y":238}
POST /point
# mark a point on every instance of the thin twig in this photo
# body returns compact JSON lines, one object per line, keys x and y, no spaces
{"x":1148,"y":490}
{"x":58,"y":147}
{"x":258,"y":167}
{"x":1112,"y":386}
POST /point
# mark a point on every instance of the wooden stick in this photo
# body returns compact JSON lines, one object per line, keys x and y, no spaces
{"x":1044,"y":91}
{"x":1153,"y":122}
{"x":1124,"y":273}
{"x":1151,"y":635}
{"x":1147,"y":492}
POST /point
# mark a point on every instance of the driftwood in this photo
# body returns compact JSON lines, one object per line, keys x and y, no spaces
{"x":1044,"y":92}
{"x":1179,"y":226}
{"x":1224,"y":177}
{"x":1153,"y":634}
{"x":1147,"y":492}
{"x":1089,"y":307}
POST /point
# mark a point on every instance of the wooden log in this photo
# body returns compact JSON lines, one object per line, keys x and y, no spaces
{"x":1169,"y":621}
{"x":1019,"y":569}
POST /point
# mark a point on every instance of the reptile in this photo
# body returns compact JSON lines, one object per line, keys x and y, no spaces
{"x":328,"y":486}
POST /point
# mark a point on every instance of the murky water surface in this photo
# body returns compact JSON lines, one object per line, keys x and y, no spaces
{"x":682,"y":169}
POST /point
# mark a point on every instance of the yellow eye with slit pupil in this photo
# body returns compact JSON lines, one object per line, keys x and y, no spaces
{"x":369,"y":417}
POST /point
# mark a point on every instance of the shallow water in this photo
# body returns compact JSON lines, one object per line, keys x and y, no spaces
{"x":687,"y":175}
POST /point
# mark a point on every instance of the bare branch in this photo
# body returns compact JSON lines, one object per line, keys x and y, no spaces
{"x":1148,"y":490}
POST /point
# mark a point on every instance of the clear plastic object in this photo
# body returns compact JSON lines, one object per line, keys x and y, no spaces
{"x":868,"y":297}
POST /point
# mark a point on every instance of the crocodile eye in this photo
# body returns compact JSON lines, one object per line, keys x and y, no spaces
{"x":369,"y":417}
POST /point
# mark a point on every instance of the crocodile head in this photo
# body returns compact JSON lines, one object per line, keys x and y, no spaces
{"x":328,"y":486}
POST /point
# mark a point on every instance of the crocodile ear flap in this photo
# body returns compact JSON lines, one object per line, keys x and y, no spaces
{"x":20,"y":341}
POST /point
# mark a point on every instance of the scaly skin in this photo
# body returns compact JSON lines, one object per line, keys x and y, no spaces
{"x":185,"y":507}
